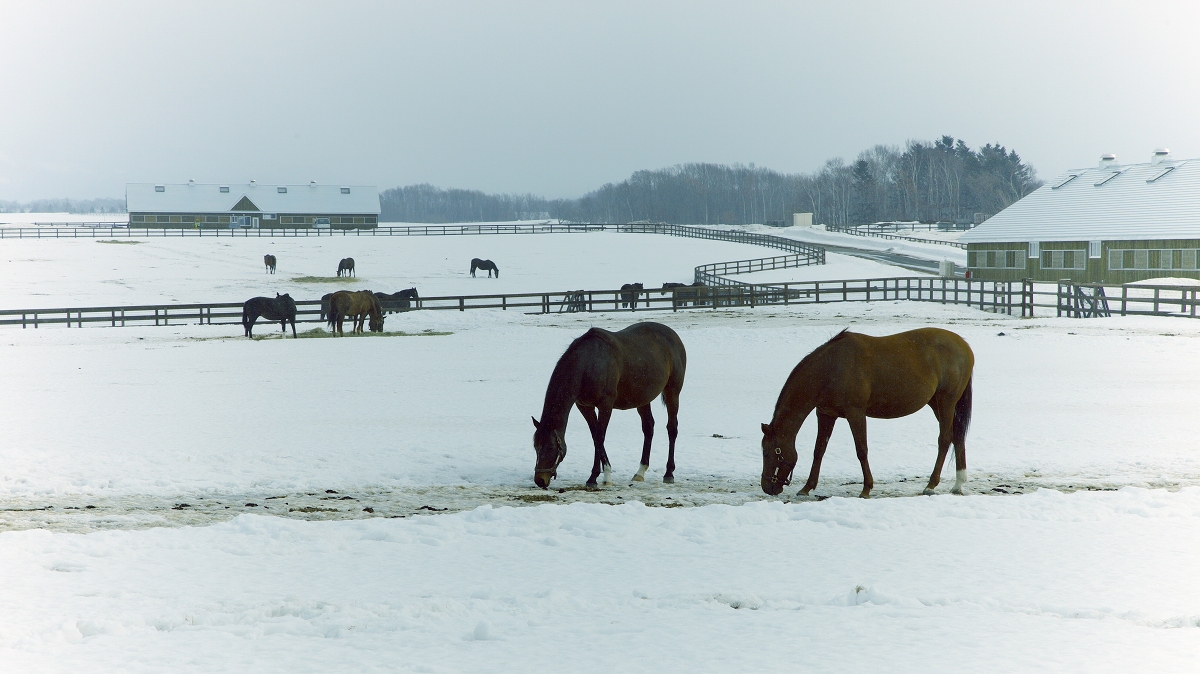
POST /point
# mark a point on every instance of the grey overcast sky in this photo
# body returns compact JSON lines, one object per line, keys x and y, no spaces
{"x":557,"y":98}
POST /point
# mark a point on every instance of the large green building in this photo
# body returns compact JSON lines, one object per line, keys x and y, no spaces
{"x":253,"y":205}
{"x":1111,"y":223}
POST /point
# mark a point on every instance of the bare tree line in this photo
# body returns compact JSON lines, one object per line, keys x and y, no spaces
{"x":942,"y":180}
{"x":64,"y":206}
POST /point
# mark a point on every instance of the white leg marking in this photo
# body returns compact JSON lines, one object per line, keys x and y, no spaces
{"x":928,"y":492}
{"x":607,"y":475}
{"x":641,"y":474}
{"x":960,"y":478}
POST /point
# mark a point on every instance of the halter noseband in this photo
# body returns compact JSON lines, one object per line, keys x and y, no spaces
{"x":779,"y":466}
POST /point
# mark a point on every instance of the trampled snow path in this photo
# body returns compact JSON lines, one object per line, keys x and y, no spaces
{"x":1084,"y":582}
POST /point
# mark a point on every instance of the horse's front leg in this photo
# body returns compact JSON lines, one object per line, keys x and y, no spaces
{"x":825,"y":424}
{"x":597,"y":418}
{"x":945,"y":423}
{"x":858,"y":427}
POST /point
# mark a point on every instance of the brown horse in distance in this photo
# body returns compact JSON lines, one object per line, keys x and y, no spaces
{"x":602,"y":371}
{"x":269,"y":261}
{"x":855,"y":376}
{"x":357,"y":306}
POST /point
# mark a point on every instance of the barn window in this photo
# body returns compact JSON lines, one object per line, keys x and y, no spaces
{"x":224,"y":189}
{"x":1063,"y":259}
{"x":1033,"y":249}
{"x":160,"y":188}
{"x":1093,"y":249}
{"x":281,"y":190}
{"x":345,"y":190}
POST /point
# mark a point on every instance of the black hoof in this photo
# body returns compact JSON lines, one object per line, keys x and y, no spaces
{"x":668,"y":479}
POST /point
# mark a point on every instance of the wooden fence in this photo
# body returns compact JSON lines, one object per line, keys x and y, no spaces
{"x":857,"y":231}
{"x":995,"y":296}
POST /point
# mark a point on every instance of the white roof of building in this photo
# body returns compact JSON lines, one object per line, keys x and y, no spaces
{"x":198,"y":198}
{"x":1111,"y":202}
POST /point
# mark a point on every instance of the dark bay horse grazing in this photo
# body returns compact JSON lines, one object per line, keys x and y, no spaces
{"x":397,"y":301}
{"x":346,"y":267}
{"x":282,"y":308}
{"x":485,"y":265}
{"x":629,"y":295}
{"x":357,"y":306}
{"x":602,"y":371}
{"x":854,"y":376}
{"x":269,"y":261}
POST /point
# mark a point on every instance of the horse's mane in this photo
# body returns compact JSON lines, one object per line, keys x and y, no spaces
{"x":822,"y":347}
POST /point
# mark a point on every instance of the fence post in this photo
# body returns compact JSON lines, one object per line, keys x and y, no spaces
{"x":462,"y":301}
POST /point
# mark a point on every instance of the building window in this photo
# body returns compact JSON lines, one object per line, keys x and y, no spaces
{"x":1152,"y":258}
{"x":982,"y":259}
{"x":281,"y":190}
{"x":160,"y":188}
{"x":1064,"y":259}
{"x":1094,"y":249}
{"x":224,"y":189}
{"x":1033,"y":250}
{"x":345,"y":190}
{"x":137,"y":218}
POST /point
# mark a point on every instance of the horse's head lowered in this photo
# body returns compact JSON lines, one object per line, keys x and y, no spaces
{"x":551,"y":448}
{"x":779,"y":460}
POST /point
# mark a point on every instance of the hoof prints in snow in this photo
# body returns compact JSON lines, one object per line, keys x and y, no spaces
{"x":139,"y":512}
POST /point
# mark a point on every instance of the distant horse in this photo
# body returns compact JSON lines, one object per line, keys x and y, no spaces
{"x":685,"y":292}
{"x":854,"y":376}
{"x":346,"y":267}
{"x":485,"y":265}
{"x":357,"y":306}
{"x":269,"y":261}
{"x":602,"y":371}
{"x":629,"y":295}
{"x":282,"y":309}
{"x":397,"y":301}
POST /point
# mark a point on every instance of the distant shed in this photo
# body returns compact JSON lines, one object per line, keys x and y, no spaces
{"x":253,"y":205}
{"x":1111,"y":223}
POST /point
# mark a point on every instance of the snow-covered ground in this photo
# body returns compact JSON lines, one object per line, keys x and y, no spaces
{"x":138,"y":422}
{"x":47,"y":273}
{"x":924,"y":251}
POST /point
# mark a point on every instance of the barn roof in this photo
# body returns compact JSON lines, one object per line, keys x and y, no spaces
{"x":205,"y":198}
{"x":1157,"y":200}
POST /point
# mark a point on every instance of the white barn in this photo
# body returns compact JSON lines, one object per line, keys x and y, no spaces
{"x":1112,"y":223}
{"x":252,"y":205}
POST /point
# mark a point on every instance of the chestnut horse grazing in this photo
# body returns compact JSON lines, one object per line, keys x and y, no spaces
{"x":356,"y":306}
{"x":602,"y":371}
{"x":269,"y":261}
{"x":854,"y":376}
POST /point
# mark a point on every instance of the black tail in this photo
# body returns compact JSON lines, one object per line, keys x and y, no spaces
{"x":962,"y":415}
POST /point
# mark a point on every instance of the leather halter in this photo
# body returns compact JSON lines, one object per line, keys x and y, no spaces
{"x":778,"y":467}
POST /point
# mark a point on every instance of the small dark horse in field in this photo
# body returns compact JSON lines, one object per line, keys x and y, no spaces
{"x":397,"y":301}
{"x":357,"y":306}
{"x":854,"y":376}
{"x":346,"y":267}
{"x":629,"y":295}
{"x":485,"y":265}
{"x":685,"y":292}
{"x":282,"y":309}
{"x":602,"y":371}
{"x":269,"y":261}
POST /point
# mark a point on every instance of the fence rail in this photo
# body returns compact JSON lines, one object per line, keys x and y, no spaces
{"x":856,"y":231}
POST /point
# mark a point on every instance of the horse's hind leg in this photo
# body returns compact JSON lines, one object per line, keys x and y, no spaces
{"x":945,"y":419}
{"x":671,"y":400}
{"x":648,"y":434}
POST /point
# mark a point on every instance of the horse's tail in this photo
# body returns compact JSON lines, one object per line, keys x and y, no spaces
{"x":962,"y":415}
